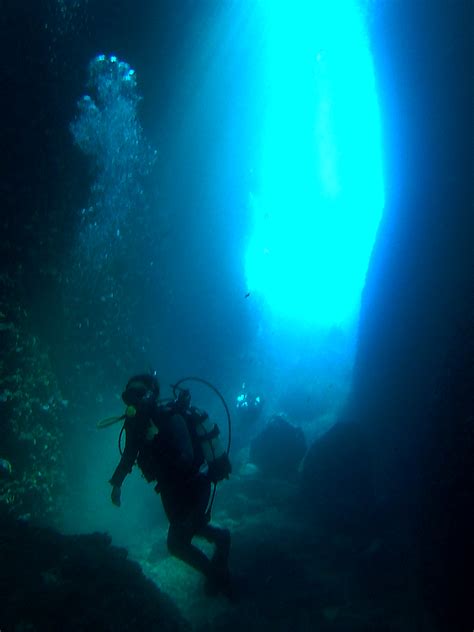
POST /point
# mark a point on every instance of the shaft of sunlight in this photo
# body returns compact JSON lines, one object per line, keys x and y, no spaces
{"x":321,"y":191}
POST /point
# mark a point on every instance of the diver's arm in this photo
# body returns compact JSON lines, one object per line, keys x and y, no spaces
{"x":129,"y":456}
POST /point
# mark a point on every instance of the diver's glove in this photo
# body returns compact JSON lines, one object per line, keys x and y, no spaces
{"x":220,"y":468}
{"x":115,"y":495}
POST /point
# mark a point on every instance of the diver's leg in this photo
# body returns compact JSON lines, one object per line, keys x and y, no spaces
{"x":189,"y":519}
{"x":221,"y":538}
{"x":179,"y":545}
{"x":219,"y":581}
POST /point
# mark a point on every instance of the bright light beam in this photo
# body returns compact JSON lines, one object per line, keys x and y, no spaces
{"x":321,"y":195}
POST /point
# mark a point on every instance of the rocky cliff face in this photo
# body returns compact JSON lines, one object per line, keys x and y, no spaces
{"x":414,"y":380}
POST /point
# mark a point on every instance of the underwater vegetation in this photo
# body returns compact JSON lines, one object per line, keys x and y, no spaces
{"x":32,"y":412}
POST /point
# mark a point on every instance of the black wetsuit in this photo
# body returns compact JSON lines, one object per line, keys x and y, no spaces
{"x":162,"y":445}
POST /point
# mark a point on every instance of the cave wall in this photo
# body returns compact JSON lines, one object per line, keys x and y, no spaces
{"x":419,"y":287}
{"x":413,"y":383}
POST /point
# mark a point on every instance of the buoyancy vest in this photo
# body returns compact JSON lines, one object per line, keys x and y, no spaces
{"x":205,"y":437}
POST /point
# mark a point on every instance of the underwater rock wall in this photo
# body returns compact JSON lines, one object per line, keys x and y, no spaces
{"x":413,"y":376}
{"x":412,"y":397}
{"x":32,"y":412}
{"x":419,"y":289}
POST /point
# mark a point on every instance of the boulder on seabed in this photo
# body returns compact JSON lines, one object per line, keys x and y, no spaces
{"x":279,"y":448}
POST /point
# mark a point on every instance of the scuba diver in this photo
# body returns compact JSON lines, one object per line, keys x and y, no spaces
{"x":175,"y":445}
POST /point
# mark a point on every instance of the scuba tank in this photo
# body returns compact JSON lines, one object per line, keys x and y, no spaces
{"x":221,"y":465}
{"x":207,"y":435}
{"x":184,"y":399}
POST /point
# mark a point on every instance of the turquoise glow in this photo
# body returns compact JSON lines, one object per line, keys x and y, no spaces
{"x":321,"y":189}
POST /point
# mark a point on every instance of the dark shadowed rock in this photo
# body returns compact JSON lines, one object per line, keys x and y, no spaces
{"x":413,"y":377}
{"x":337,"y":479}
{"x":51,"y":582}
{"x":279,"y":448}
